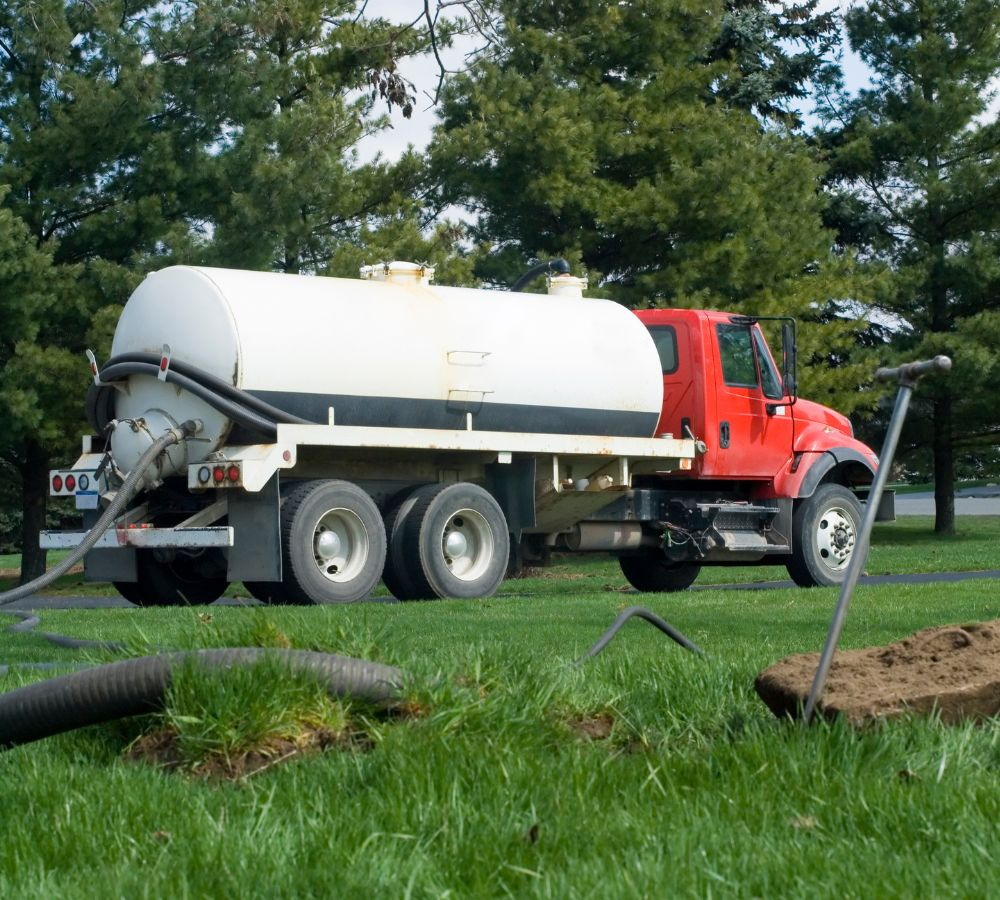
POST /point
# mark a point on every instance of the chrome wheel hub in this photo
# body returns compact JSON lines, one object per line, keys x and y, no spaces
{"x":835,"y":537}
{"x":340,"y":545}
{"x":467,"y":544}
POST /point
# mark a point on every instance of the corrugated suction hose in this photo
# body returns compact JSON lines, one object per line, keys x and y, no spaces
{"x":136,"y":686}
{"x":103,"y":693}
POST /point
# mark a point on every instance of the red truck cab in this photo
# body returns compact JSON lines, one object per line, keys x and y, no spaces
{"x":721,"y":384}
{"x":781,"y":479}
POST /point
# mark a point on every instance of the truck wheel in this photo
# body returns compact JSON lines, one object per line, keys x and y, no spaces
{"x":395,"y":575}
{"x":178,"y":582}
{"x":454,"y":542}
{"x":825,"y":528}
{"x":332,"y":543}
{"x":654,"y":573}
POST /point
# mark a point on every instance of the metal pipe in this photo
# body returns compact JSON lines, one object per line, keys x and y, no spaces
{"x":908,"y":376}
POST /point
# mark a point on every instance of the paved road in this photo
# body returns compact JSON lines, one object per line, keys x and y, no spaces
{"x":977,"y":501}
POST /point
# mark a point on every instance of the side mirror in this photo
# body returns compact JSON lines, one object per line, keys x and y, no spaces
{"x":788,"y":358}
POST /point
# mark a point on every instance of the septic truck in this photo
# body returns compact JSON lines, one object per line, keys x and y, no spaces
{"x":331,"y":433}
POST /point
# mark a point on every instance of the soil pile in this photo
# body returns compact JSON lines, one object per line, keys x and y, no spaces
{"x":952,"y":669}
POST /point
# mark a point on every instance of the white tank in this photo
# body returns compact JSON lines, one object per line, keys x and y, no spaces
{"x":385,"y":352}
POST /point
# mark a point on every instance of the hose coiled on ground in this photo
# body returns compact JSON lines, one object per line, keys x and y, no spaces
{"x":136,"y":686}
{"x":103,"y":693}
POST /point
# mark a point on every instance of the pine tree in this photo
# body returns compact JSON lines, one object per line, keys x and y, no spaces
{"x":32,"y":396}
{"x":915,"y":163}
{"x":606,"y":133}
{"x":89,"y":166}
{"x":298,"y":83}
{"x":134,"y":135}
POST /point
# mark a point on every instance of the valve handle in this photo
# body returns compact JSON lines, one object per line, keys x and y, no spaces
{"x":910,"y":372}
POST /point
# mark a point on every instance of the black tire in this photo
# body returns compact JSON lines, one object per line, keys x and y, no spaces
{"x":454,"y":542}
{"x":395,"y":574}
{"x":332,"y":543}
{"x":654,"y":573}
{"x":132,"y":591}
{"x":186,"y":580}
{"x":825,"y":529}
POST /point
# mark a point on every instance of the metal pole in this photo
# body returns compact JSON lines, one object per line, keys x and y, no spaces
{"x":907,"y":375}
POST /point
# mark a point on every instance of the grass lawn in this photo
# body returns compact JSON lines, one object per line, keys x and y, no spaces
{"x":647,"y":772}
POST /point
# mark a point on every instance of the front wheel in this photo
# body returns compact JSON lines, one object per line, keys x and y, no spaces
{"x":653,"y":573}
{"x":825,"y":531}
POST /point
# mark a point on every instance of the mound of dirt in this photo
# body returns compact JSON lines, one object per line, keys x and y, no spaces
{"x":952,"y":669}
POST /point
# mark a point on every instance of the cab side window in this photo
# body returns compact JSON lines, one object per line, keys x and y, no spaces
{"x":770,"y":380}
{"x":736,"y":352}
{"x":665,"y":338}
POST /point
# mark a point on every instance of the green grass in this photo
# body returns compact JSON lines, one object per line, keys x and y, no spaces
{"x":492,"y":789}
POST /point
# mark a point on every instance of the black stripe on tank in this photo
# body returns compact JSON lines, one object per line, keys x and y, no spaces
{"x":406,"y":412}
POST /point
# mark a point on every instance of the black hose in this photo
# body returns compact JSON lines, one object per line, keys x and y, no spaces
{"x":213,"y":383}
{"x":115,"y":508}
{"x":29,"y":622}
{"x":103,"y":693}
{"x":227,"y":407}
{"x":650,"y":617}
{"x":136,"y":686}
{"x":552,"y":265}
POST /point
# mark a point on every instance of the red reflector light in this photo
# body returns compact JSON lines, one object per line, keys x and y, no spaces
{"x":233,"y":473}
{"x":70,"y":483}
{"x":57,"y":483}
{"x":218,"y":475}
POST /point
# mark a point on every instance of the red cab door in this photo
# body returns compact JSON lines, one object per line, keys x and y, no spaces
{"x":752,"y":435}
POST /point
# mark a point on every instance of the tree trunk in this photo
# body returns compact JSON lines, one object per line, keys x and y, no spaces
{"x":34,"y":497}
{"x":944,"y":468}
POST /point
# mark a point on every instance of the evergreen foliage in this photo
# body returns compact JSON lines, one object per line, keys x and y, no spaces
{"x":135,"y":135}
{"x":916,"y":173}
{"x":778,"y":50}
{"x":618,"y":136}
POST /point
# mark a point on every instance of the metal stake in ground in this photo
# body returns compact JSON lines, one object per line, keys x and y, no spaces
{"x":907,"y":375}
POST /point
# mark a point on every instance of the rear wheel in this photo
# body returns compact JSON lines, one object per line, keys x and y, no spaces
{"x":825,"y":530}
{"x":454,"y":542}
{"x":395,"y":575}
{"x":653,"y":573}
{"x":177,"y":578}
{"x":332,"y":543}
